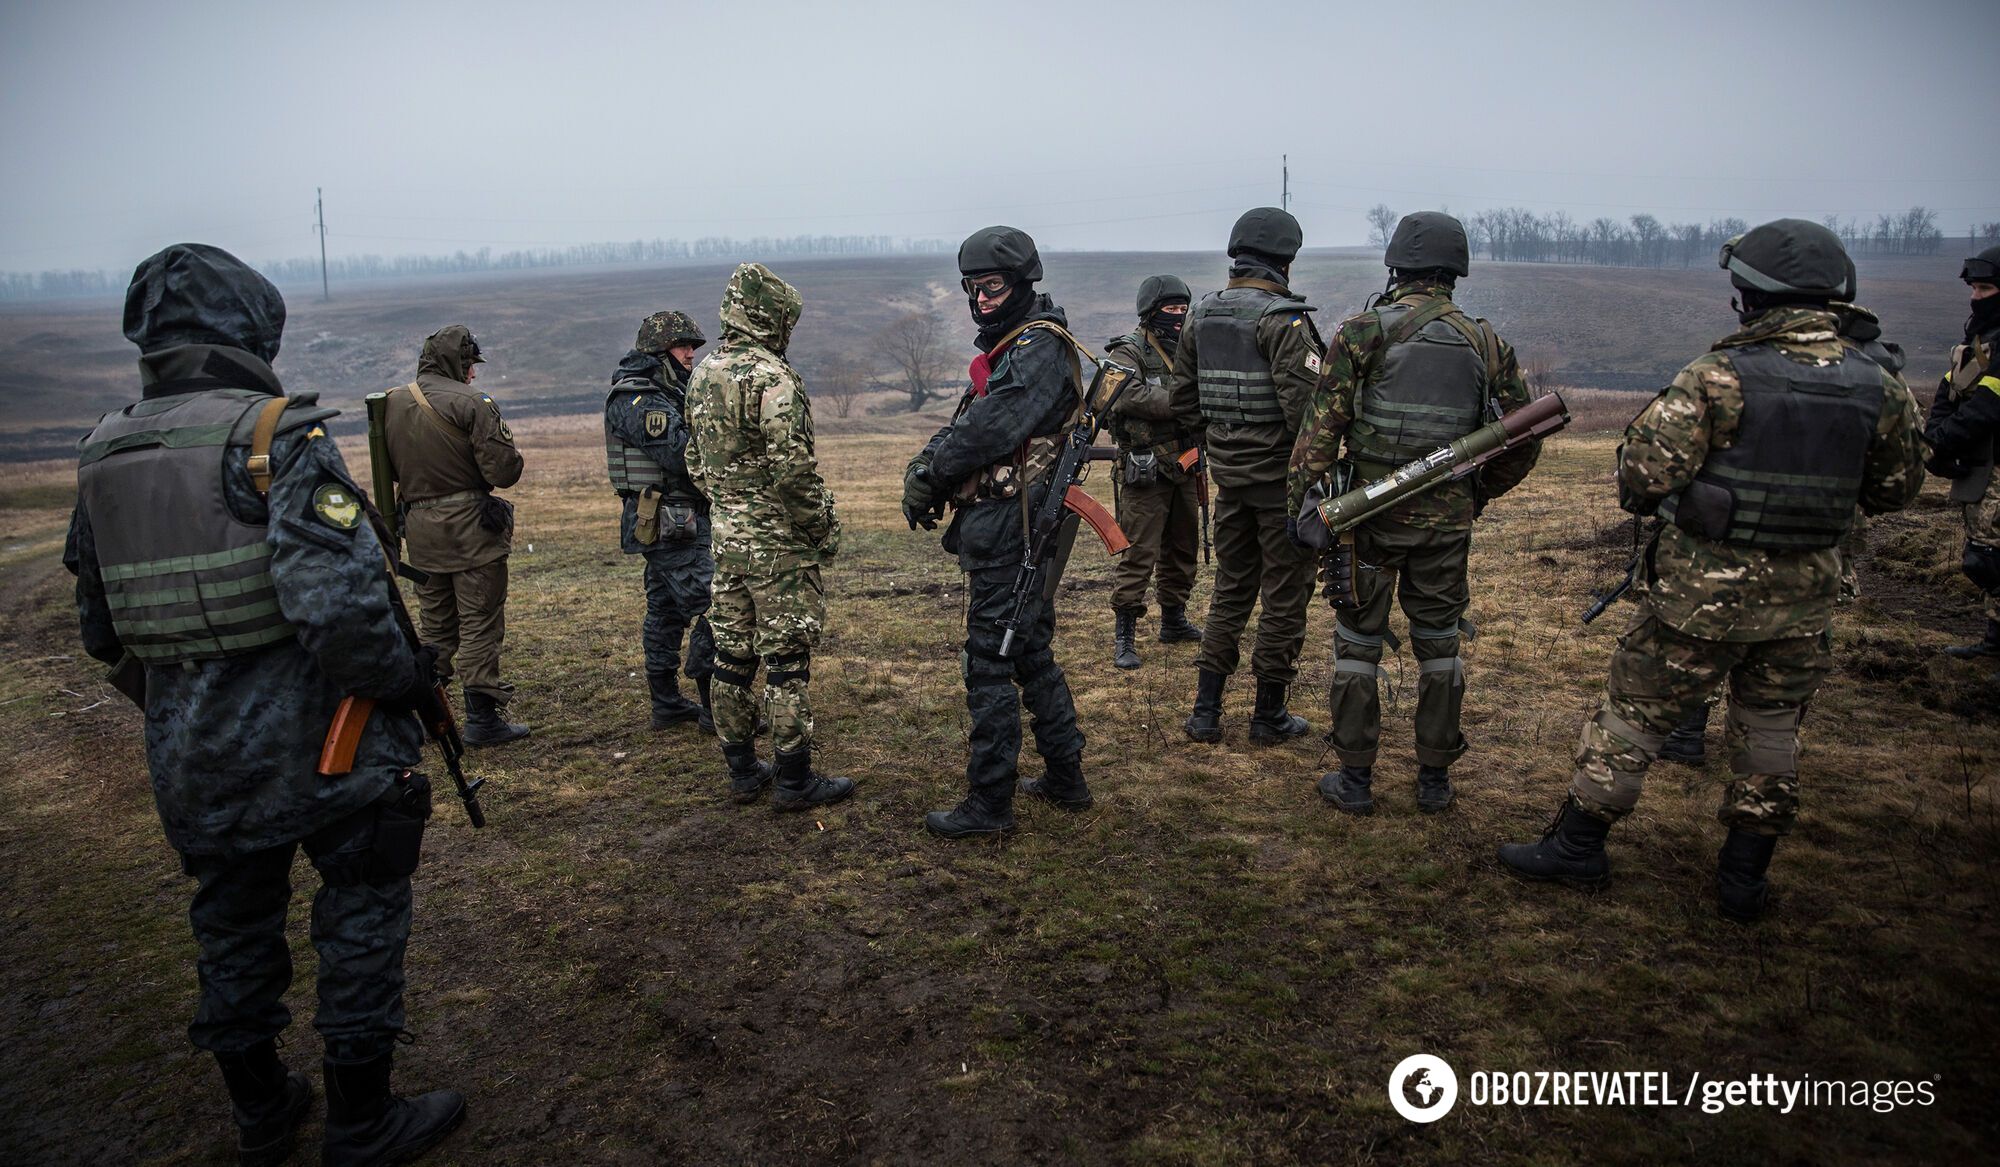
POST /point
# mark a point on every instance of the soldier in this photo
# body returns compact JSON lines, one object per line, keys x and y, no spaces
{"x":238,"y":687}
{"x":1408,"y":375}
{"x":1964,"y":429}
{"x":661,"y":514}
{"x":449,"y":451}
{"x":751,"y":453}
{"x":1242,"y":377}
{"x":1756,"y":456}
{"x":1158,"y":501}
{"x":988,"y":464}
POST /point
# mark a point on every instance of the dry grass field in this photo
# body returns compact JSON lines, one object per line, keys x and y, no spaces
{"x":1211,"y":967}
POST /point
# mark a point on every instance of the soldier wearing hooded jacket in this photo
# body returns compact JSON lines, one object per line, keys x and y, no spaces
{"x":662,"y":516}
{"x":1964,"y":432}
{"x":219,"y":543}
{"x":987,"y":464}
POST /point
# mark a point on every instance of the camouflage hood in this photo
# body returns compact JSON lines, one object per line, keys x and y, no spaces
{"x":1799,"y":325}
{"x":759,"y":308}
{"x":449,"y":352}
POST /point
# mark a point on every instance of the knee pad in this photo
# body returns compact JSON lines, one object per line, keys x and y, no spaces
{"x":1770,"y":739}
{"x":782,"y":670}
{"x":735,"y":670}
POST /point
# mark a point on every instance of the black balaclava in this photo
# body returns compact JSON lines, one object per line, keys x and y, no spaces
{"x":1020,"y":300}
{"x":1166,"y":326}
{"x":1984,"y":319}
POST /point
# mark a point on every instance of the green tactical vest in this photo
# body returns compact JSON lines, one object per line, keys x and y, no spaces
{"x":1426,"y":391}
{"x":1233,"y":377}
{"x":1138,"y":433}
{"x":631,"y":470}
{"x":1793,"y":479}
{"x":184,"y":578}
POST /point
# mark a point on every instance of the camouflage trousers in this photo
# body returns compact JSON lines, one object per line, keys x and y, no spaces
{"x":1658,"y":674}
{"x":774,"y":619}
{"x":678,"y":578}
{"x":360,"y":926}
{"x":1982,"y":566}
{"x":1255,"y":561}
{"x":996,"y":687}
{"x":1425,"y":570}
{"x":464,"y":614}
{"x":1164,"y":525}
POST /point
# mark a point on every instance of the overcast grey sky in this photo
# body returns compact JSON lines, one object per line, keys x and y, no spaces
{"x":440,"y":126}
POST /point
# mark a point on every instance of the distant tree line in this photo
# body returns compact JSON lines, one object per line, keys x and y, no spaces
{"x":54,"y":285}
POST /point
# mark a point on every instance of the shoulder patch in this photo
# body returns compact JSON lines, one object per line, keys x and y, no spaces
{"x":486,"y":399}
{"x":656,"y":422}
{"x":1027,"y":338}
{"x":337,"y":507}
{"x":315,"y":432}
{"x":637,"y":398}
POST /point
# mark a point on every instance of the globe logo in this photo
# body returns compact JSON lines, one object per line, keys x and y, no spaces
{"x":1422,"y":1088}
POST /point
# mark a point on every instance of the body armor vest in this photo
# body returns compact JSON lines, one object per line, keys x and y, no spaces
{"x":1793,"y":479}
{"x":1425,"y":391}
{"x":630,"y":469}
{"x":184,"y":578}
{"x":1968,"y":363}
{"x":1232,"y":376}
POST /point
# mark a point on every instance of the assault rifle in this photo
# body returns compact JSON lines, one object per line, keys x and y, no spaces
{"x":1640,"y":546}
{"x":1053,"y":523}
{"x":1195,"y":462}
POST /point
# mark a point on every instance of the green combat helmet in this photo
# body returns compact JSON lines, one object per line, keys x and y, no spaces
{"x":1428,"y":241}
{"x":663,"y":330}
{"x":1789,"y":257}
{"x":1158,"y":290}
{"x":1268,"y":232}
{"x":1001,"y":249}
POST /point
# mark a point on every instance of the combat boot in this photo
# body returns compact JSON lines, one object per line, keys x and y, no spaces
{"x":1347,"y":789}
{"x":1205,"y":723}
{"x":1987,"y":647}
{"x":1273,"y":723}
{"x":800,"y":786}
{"x":747,"y":776}
{"x":1571,"y":850}
{"x":1740,"y":888}
{"x":971,"y":819}
{"x":1434,"y":792}
{"x":366,"y":1124}
{"x":1685,"y":744}
{"x":1062,"y":786}
{"x":1123,"y":654}
{"x":669,"y":707}
{"x":268,"y":1102}
{"x":484,"y":725}
{"x":1175,"y":626}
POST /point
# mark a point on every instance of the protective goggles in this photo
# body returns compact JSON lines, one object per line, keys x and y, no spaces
{"x":1980,"y":271}
{"x":991,"y":285}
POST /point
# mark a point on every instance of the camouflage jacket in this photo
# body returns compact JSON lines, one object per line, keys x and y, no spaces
{"x":647,"y":411}
{"x":1143,"y":418}
{"x":1242,"y":456}
{"x":750,"y":448}
{"x":233,"y":744}
{"x":1721,"y":591}
{"x":1350,"y":361}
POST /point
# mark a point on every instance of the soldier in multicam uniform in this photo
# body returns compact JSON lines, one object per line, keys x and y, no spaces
{"x":989,"y":466}
{"x":1246,"y":367}
{"x":449,"y":451}
{"x":1964,"y":431}
{"x":751,"y":453}
{"x":1157,"y":500}
{"x":1408,"y":375}
{"x":218,"y":540}
{"x":1756,"y":455}
{"x":661,"y":514}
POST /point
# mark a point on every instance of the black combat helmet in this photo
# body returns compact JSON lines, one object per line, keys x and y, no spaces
{"x":1158,"y":290}
{"x":192,"y":293}
{"x":1268,"y":232}
{"x":1429,"y":241}
{"x":1983,"y":268}
{"x":1001,"y":249}
{"x":1789,"y":257}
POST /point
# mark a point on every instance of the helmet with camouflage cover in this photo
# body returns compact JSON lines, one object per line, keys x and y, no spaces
{"x":1428,"y":241}
{"x":1789,"y":257}
{"x":1158,"y":290}
{"x":1000,"y":249}
{"x":663,"y":330}
{"x":1983,"y":268}
{"x":1267,"y":231}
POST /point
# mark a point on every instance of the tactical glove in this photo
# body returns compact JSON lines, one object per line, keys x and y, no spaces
{"x":918,"y":507}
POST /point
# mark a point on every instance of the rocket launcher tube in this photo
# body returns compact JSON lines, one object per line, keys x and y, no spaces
{"x":1543,"y":415}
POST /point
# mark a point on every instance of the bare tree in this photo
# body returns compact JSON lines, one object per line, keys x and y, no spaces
{"x":1381,"y":224}
{"x":841,"y":381}
{"x":915,"y":344}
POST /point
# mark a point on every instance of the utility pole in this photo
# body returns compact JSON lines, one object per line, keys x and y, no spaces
{"x":1285,"y":191}
{"x":319,"y":212}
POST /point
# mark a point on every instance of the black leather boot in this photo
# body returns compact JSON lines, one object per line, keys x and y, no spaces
{"x":1987,"y":647}
{"x":1175,"y":626}
{"x":484,"y":725}
{"x":1062,"y":786}
{"x":669,"y":707}
{"x":974,"y":818}
{"x":800,"y":786}
{"x":268,"y":1102}
{"x":747,"y":776}
{"x":1740,"y":888}
{"x":1123,"y":654}
{"x":1570,"y":851}
{"x":1273,"y":723}
{"x":1434,"y":792}
{"x":1205,"y":723}
{"x":366,"y":1124}
{"x":1347,"y":789}
{"x":1686,"y":743}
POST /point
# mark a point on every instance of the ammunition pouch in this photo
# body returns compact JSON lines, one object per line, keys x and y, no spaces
{"x":1703,"y":509}
{"x":379,"y":843}
{"x":677,"y":523}
{"x":496,"y":515}
{"x":1140,"y":467}
{"x":646,"y":517}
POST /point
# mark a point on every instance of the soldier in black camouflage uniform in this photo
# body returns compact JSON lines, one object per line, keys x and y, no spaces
{"x":662,"y":516}
{"x":255,"y":597}
{"x":1964,"y":430}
